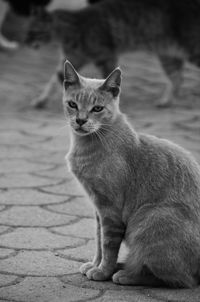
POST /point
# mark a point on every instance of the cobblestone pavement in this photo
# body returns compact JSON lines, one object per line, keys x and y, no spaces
{"x":46,"y":222}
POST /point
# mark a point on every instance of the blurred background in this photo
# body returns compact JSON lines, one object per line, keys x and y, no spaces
{"x":24,"y":70}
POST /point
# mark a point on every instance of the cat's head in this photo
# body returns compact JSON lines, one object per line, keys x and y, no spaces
{"x":40,"y":28}
{"x":91,"y":105}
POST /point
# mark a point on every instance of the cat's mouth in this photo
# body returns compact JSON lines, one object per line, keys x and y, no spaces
{"x":81,"y":131}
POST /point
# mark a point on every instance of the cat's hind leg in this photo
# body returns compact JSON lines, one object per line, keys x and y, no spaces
{"x":173,"y":68}
{"x":124,"y":277}
{"x":161,"y":248}
{"x":160,"y":270}
{"x":134,"y":271}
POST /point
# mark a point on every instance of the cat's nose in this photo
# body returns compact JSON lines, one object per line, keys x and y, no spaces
{"x":81,"y":121}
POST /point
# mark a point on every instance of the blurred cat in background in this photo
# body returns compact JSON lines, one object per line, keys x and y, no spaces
{"x":103,"y":31}
{"x":21,"y":8}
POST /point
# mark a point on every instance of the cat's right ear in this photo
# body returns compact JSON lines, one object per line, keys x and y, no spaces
{"x":71,"y":77}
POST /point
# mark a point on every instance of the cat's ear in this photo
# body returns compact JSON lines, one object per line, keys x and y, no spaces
{"x":112,"y":82}
{"x":71,"y":77}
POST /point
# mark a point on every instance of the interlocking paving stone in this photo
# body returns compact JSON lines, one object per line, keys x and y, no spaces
{"x":32,"y":216}
{"x":82,"y":281}
{"x":86,"y":252}
{"x":9,"y":123}
{"x":21,"y":166}
{"x":77,"y":206}
{"x":38,"y":263}
{"x":83,"y":228}
{"x":5,"y":253}
{"x":14,"y":151}
{"x":12,"y":137}
{"x":4,"y":229}
{"x":71,"y":187}
{"x":55,"y":143}
{"x":37,"y":238}
{"x":56,"y":128}
{"x":46,"y":290}
{"x":174,"y":295}
{"x":6,"y":280}
{"x":29,"y":197}
{"x":1,"y":209}
{"x":46,"y":156}
{"x":82,"y":253}
{"x":25,"y":181}
{"x":127,"y":296}
{"x":61,"y":172}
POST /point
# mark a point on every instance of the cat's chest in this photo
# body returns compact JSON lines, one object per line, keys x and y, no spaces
{"x":84,"y":165}
{"x":99,"y":172}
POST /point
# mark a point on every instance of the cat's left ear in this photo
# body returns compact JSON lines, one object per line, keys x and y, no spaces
{"x":71,"y":77}
{"x":112,"y":82}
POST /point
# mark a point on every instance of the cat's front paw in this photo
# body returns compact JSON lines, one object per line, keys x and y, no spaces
{"x":97,"y":274}
{"x":86,"y":267}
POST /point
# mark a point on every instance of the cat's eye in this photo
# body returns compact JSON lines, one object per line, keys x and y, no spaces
{"x":97,"y":108}
{"x":72,"y":105}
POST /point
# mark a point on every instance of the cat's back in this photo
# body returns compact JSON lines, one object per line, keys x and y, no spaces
{"x":170,"y":156}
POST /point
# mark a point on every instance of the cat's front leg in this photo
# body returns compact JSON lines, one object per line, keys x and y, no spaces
{"x":113,"y":234}
{"x":173,"y":68}
{"x":98,"y":254}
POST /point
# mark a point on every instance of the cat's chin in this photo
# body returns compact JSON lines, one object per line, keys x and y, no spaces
{"x":81,"y":132}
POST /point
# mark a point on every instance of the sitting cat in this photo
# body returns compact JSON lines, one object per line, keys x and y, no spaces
{"x":101,"y":32}
{"x":146,"y":190}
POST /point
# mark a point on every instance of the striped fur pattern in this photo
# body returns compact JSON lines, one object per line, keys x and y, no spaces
{"x":146,"y":190}
{"x":100,"y":33}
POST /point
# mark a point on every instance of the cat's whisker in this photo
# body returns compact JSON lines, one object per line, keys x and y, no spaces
{"x":99,"y":136}
{"x":103,"y":139}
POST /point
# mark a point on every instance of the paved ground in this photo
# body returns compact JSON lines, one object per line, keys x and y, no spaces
{"x":46,"y":222}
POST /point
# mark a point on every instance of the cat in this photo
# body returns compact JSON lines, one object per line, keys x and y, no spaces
{"x":146,"y":190}
{"x":26,"y":7}
{"x":103,"y":31}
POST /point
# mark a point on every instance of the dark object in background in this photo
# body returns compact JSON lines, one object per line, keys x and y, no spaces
{"x":94,"y":1}
{"x":25,"y":7}
{"x":101,"y":32}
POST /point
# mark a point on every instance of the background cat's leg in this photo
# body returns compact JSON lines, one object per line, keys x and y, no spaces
{"x":58,"y":77}
{"x":173,"y":67}
{"x":112,"y":236}
{"x":107,"y":65}
{"x":4,"y":42}
{"x":41,"y":101}
{"x":98,"y":253}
